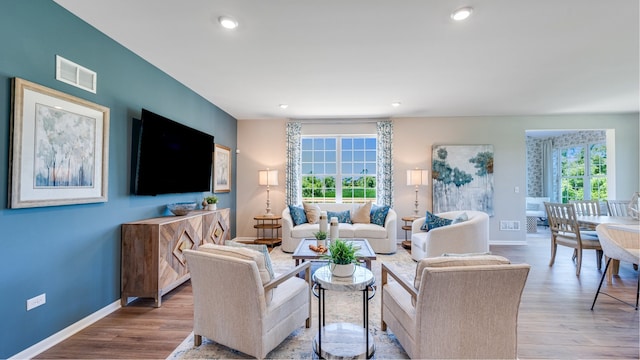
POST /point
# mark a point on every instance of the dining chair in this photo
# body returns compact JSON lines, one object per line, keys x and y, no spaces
{"x":618,"y":207}
{"x":621,"y":243}
{"x":565,"y":231}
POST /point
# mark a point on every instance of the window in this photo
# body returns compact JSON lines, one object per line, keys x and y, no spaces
{"x":583,"y":167}
{"x":338,"y":169}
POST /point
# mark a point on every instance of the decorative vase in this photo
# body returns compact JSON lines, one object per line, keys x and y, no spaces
{"x":333,"y":229}
{"x":212,"y":206}
{"x":341,"y":270}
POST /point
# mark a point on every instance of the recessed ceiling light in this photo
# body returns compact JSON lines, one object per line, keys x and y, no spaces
{"x":396,"y":103}
{"x":461,"y":13}
{"x":283,"y":106}
{"x":228,"y":22}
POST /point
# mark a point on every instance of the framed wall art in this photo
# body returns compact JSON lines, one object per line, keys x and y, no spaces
{"x":462,"y":178}
{"x":221,"y":169}
{"x":59,"y":152}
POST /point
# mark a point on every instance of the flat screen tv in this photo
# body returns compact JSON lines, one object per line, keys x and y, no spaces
{"x":169,"y":157}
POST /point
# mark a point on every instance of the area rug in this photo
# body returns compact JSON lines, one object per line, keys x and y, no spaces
{"x":340,"y":307}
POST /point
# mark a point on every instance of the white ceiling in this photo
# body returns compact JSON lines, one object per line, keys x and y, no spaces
{"x":353,"y":58}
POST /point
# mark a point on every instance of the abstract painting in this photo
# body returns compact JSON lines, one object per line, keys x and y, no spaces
{"x":462,"y":178}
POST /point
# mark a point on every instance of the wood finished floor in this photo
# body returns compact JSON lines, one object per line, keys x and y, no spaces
{"x":554,"y":321}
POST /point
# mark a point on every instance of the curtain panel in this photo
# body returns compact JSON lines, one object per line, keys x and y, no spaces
{"x":385,"y":163}
{"x":293,"y":169}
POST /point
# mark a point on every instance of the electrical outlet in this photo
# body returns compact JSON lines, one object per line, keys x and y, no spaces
{"x":34,"y":302}
{"x":509,"y":225}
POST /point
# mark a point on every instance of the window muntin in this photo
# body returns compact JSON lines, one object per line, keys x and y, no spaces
{"x":583,"y":167}
{"x":339,"y":168}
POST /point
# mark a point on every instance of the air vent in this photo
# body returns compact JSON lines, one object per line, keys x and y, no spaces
{"x":76,"y":75}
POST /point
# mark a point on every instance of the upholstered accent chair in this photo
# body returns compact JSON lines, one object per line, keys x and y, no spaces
{"x":469,"y":236}
{"x":619,"y":243}
{"x":238,"y":305}
{"x":457,"y":307}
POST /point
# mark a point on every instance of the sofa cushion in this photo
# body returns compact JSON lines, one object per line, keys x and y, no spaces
{"x":369,"y":231}
{"x":245,"y":254}
{"x":379,"y":214}
{"x":362,"y":214}
{"x":313,"y":212}
{"x":343,"y":216}
{"x":346,"y":230}
{"x":304,"y":230}
{"x":297,"y":215}
{"x":432,"y":221}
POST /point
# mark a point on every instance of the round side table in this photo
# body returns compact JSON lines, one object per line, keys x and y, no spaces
{"x":343,"y":340}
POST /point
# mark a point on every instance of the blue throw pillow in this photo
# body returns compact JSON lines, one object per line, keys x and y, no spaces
{"x":343,"y":216}
{"x":432,"y":222}
{"x":297,"y":215}
{"x":379,"y":214}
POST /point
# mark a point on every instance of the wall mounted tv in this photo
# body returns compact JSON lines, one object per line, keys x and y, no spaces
{"x":169,"y":157}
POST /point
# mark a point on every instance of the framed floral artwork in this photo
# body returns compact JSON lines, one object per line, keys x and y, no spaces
{"x":59,"y":152}
{"x":221,"y":169}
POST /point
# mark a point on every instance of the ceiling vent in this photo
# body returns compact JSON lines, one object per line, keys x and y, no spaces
{"x":76,"y":75}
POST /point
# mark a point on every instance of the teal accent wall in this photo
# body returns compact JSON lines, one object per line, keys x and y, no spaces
{"x":72,"y":253}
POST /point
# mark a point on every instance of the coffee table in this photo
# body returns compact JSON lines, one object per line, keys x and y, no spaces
{"x":364,"y":254}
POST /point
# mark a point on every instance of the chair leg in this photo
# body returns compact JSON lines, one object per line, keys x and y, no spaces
{"x":599,"y":254}
{"x":638,"y":292}
{"x":601,"y":281}
{"x":579,"y":263}
{"x":575,"y":254}
{"x":197,"y":340}
{"x":554,"y":247}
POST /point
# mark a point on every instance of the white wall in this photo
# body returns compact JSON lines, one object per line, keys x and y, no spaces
{"x":262,"y":144}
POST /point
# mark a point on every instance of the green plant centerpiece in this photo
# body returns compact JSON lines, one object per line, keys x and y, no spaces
{"x":342,"y":257}
{"x":321,"y":236}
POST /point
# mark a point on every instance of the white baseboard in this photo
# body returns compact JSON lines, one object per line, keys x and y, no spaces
{"x":507,"y":242}
{"x":67,"y":332}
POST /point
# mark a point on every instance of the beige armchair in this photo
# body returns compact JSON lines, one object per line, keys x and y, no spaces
{"x":237,"y":304}
{"x":465,"y":307}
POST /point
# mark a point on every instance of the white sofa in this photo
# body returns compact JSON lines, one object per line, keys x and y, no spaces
{"x":470,"y":236}
{"x":382,"y":239}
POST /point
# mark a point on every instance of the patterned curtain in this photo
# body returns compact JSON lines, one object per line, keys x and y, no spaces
{"x":385,"y":163}
{"x":293,"y":169}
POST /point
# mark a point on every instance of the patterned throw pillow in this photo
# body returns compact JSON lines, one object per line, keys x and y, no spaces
{"x":432,"y":222}
{"x":460,"y":218}
{"x":297,"y":215}
{"x":343,"y":216}
{"x":258,"y":247}
{"x":379,"y":214}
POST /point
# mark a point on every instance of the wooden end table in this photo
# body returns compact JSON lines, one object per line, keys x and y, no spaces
{"x":408,"y":223}
{"x":268,"y":229}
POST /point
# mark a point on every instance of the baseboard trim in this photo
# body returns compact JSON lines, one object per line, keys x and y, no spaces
{"x":507,"y":242}
{"x":67,"y":332}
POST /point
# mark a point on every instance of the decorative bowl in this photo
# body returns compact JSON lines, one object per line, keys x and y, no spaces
{"x":182,"y":208}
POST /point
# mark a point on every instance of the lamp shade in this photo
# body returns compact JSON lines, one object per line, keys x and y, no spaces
{"x":417,"y":177}
{"x":268,"y":177}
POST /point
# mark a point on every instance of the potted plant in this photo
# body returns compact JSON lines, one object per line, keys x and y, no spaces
{"x":211,"y":202}
{"x":321,"y":237}
{"x":342,"y":257}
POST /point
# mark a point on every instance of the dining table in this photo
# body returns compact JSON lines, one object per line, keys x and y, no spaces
{"x":592,"y":221}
